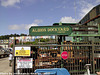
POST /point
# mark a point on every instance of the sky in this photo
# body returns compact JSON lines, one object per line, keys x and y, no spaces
{"x":17,"y":16}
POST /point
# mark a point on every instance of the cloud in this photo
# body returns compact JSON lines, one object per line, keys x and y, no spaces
{"x":7,"y":3}
{"x":85,"y":8}
{"x":38,"y":21}
{"x":68,"y":20}
{"x":20,"y":27}
{"x":28,"y":26}
{"x":13,"y":3}
{"x":24,"y":26}
{"x":14,"y":27}
{"x":97,"y":1}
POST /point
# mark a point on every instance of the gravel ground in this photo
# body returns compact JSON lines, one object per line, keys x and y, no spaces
{"x":4,"y":65}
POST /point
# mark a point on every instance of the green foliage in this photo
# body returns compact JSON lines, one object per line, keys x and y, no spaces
{"x":31,"y":43}
{"x":44,"y":40}
{"x":11,"y":45}
{"x":36,"y":41}
{"x":11,"y":35}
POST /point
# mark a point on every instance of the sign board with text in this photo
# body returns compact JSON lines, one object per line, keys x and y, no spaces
{"x":50,"y":30}
{"x":24,"y":63}
{"x":64,"y":55}
{"x":22,"y":51}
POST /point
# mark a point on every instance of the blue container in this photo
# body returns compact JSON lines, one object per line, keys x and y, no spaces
{"x":53,"y":71}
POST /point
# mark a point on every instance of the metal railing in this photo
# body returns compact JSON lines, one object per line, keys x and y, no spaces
{"x":49,"y":56}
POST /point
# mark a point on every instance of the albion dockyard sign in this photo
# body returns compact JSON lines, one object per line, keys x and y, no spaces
{"x":50,"y":30}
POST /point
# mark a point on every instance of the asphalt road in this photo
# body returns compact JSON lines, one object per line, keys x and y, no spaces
{"x":4,"y":65}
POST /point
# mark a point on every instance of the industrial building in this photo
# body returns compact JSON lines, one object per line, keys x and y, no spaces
{"x":87,"y":29}
{"x":92,"y":21}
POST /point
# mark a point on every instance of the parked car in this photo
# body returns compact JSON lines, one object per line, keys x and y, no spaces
{"x":4,"y":52}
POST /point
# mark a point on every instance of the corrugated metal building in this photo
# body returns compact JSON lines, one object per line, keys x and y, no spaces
{"x":92,"y":18}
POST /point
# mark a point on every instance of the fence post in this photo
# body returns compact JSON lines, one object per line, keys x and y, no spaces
{"x":93,"y":47}
{"x":14,"y":59}
{"x":61,"y":50}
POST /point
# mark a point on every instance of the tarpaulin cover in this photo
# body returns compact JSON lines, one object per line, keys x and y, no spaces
{"x":53,"y":71}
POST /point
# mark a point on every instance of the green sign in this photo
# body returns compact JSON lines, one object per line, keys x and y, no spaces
{"x":50,"y":30}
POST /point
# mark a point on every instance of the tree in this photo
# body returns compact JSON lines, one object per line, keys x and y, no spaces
{"x":11,"y":35}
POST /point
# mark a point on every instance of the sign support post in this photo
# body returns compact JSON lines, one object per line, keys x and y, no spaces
{"x":62,"y":38}
{"x":14,"y":58}
{"x":61,"y":50}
